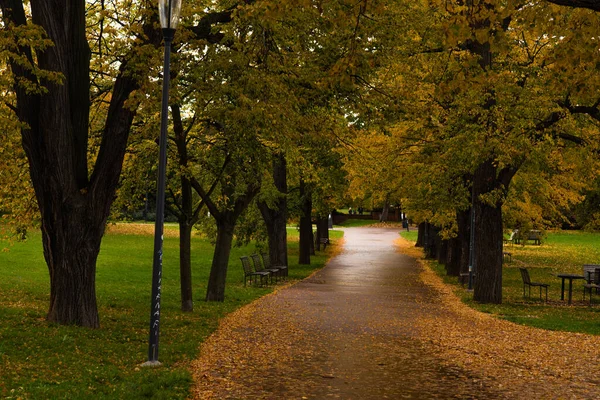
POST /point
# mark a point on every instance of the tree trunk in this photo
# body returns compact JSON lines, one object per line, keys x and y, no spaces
{"x":431,"y":240}
{"x":421,"y":234}
{"x":488,"y":233}
{"x":71,"y":249}
{"x":385,"y":211}
{"x":442,"y":250}
{"x":185,"y":264}
{"x":306,"y":236}
{"x":225,"y":220}
{"x":464,"y":235}
{"x":218,"y":271}
{"x":322,"y":231}
{"x":453,"y":257}
{"x":185,"y":212}
{"x":74,"y":204}
{"x":276,"y":219}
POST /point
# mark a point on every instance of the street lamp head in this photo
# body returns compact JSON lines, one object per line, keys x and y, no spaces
{"x":168,"y":10}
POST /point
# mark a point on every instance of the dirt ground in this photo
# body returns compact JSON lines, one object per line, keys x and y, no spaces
{"x":375,"y":324}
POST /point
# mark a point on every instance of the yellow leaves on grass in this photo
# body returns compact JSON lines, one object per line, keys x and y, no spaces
{"x":139,"y":229}
{"x":521,"y":360}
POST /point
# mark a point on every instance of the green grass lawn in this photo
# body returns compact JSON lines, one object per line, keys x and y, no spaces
{"x":560,"y":252}
{"x":45,"y":361}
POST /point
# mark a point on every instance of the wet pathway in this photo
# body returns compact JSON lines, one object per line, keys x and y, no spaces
{"x":347,"y":332}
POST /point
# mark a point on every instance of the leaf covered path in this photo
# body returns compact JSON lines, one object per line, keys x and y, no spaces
{"x":373,"y":325}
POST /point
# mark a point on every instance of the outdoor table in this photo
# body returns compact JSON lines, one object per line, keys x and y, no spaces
{"x":570,"y":277}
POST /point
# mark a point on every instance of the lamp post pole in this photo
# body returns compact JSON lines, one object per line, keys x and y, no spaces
{"x":169,"y":15}
{"x":472,"y":241}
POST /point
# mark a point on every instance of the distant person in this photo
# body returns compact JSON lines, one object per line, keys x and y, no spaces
{"x":350,"y":210}
{"x":360,"y":210}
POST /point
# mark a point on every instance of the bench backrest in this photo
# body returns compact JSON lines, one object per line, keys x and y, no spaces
{"x":525,"y":276}
{"x":246,"y":265}
{"x":534,"y":235}
{"x":266,"y":260}
{"x":258,"y":266}
{"x":591,"y":272}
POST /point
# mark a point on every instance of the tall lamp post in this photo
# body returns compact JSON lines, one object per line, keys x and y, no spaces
{"x":169,"y":17}
{"x":472,"y":241}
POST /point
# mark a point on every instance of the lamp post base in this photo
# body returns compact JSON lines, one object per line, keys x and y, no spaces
{"x":152,"y":364}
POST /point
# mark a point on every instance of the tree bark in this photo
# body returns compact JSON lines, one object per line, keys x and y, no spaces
{"x":226,"y":219}
{"x":185,"y":265}
{"x":464,"y":236}
{"x":218,"y":270}
{"x":306,"y":236}
{"x":442,"y":250}
{"x":453,"y":257}
{"x":276,"y":219}
{"x":322,"y":231}
{"x":73,"y":205}
{"x":186,"y":215}
{"x":71,"y":252}
{"x":434,"y":241}
{"x":488,"y":232}
{"x":385,"y":211}
{"x":590,"y":4}
{"x":421,"y":235}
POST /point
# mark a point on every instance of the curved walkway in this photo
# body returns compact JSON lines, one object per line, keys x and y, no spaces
{"x":374,"y":325}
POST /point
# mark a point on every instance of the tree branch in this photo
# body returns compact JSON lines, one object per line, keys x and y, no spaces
{"x":589,"y":4}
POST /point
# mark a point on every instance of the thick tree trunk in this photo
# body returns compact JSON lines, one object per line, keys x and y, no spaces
{"x":218,"y":271}
{"x":276,"y":219}
{"x":226,"y":220}
{"x":434,"y":240}
{"x":459,"y":246}
{"x":185,"y":212}
{"x":488,"y":233}
{"x":71,"y":250}
{"x":385,"y":211}
{"x":421,"y":234}
{"x":453,"y":257}
{"x":185,"y":264}
{"x":442,"y":250}
{"x":73,"y":204}
{"x":322,"y":231}
{"x":306,"y":235}
{"x":464,"y":235}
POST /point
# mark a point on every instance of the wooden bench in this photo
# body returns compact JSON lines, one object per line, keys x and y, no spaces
{"x":250,"y":273}
{"x":591,"y":272}
{"x":527,"y":282}
{"x":283,"y":269}
{"x":511,"y":239}
{"x":535,"y":236}
{"x":259,"y":267}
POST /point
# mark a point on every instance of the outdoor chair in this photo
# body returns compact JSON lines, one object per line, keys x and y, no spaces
{"x":592,"y":284}
{"x":527,"y":282}
{"x":249,"y":273}
{"x":283,"y":269}
{"x":259,"y":267}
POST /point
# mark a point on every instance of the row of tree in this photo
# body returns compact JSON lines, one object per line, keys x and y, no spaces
{"x":256,"y":86}
{"x":455,"y":109}
{"x":489,"y":115}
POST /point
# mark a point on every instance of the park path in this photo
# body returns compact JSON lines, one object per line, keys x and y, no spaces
{"x":373,"y":324}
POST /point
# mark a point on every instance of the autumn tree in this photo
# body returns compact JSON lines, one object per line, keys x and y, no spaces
{"x":499,"y":108}
{"x":52,"y":50}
